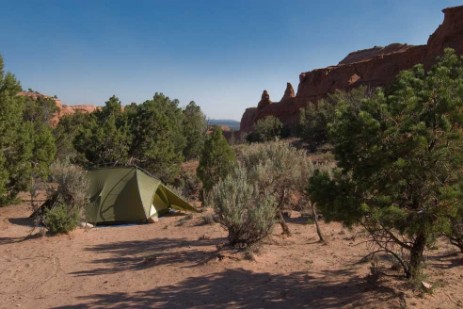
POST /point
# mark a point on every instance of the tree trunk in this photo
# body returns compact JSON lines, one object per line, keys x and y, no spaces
{"x":281,"y":218}
{"x":283,"y":224}
{"x":416,"y":255}
{"x":315,"y":218}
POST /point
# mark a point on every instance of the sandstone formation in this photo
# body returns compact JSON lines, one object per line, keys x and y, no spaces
{"x":374,"y":67}
{"x":264,"y":101}
{"x":63,"y":109}
{"x":289,"y":93}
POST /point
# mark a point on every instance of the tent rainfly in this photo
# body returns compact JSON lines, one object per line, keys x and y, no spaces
{"x":129,"y":195}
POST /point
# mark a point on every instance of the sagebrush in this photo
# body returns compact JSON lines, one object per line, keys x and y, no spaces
{"x":67,"y":198}
{"x":247,"y":213}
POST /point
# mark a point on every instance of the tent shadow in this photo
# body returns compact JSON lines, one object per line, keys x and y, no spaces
{"x":240,"y":288}
{"x":135,"y":255}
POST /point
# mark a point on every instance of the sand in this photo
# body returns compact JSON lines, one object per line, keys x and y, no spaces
{"x":179,"y":262}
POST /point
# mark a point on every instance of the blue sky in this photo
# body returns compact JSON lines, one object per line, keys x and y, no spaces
{"x":221,"y":54}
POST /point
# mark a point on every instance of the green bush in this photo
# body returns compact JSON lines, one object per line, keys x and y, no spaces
{"x":313,"y":124}
{"x":266,"y":129}
{"x":217,"y":160}
{"x":60,"y":219}
{"x":245,"y":212}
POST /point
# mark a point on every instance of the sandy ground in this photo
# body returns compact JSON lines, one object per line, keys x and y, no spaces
{"x":176,"y":263}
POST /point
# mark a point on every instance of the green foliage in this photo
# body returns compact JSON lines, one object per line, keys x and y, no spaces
{"x":15,"y":142}
{"x":194,"y":129}
{"x":39,"y":110}
{"x":60,"y":219}
{"x":217,"y":160}
{"x":313,"y":123}
{"x":105,"y":139}
{"x":400,"y":160}
{"x":154,"y":135}
{"x":65,"y":134}
{"x":266,"y":129}
{"x":157,"y":136}
{"x":37,"y":114}
{"x":243,"y":209}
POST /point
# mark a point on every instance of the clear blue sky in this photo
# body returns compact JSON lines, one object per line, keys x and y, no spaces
{"x":219,"y":53}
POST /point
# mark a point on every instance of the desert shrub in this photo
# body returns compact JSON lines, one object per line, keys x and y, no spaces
{"x":281,"y":169}
{"x":266,"y":129}
{"x":71,"y":184}
{"x":188,"y":184}
{"x":242,"y":209}
{"x":67,"y":198}
{"x":208,"y":217}
{"x":60,"y":219}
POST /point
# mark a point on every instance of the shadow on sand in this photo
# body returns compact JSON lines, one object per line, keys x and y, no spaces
{"x":128,"y":255}
{"x":231,"y":288}
{"x":239,"y":288}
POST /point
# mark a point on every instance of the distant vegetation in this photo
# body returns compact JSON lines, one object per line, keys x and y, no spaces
{"x":266,"y":129}
{"x":232,"y":124}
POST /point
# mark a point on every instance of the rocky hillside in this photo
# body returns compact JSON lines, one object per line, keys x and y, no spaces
{"x":374,"y":67}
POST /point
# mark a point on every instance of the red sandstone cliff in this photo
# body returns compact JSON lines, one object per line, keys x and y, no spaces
{"x":374,"y":67}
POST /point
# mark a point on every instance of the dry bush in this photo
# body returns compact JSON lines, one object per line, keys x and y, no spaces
{"x":67,"y":198}
{"x":282,"y":170}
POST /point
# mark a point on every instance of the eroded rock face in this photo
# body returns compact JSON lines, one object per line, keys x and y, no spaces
{"x":69,"y":110}
{"x":374,"y":67}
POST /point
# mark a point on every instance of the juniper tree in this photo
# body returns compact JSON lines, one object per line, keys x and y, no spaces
{"x":37,"y":115}
{"x":157,"y":138}
{"x":105,"y":139}
{"x":217,"y":160}
{"x":15,"y":139}
{"x":194,"y":129}
{"x":400,"y":161}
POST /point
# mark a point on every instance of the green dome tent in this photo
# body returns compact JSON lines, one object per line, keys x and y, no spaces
{"x":128,"y":194}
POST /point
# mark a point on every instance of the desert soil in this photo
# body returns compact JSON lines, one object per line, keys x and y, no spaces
{"x":179,"y":262}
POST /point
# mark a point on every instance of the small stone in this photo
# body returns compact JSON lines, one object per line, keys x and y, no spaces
{"x":426,"y":286}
